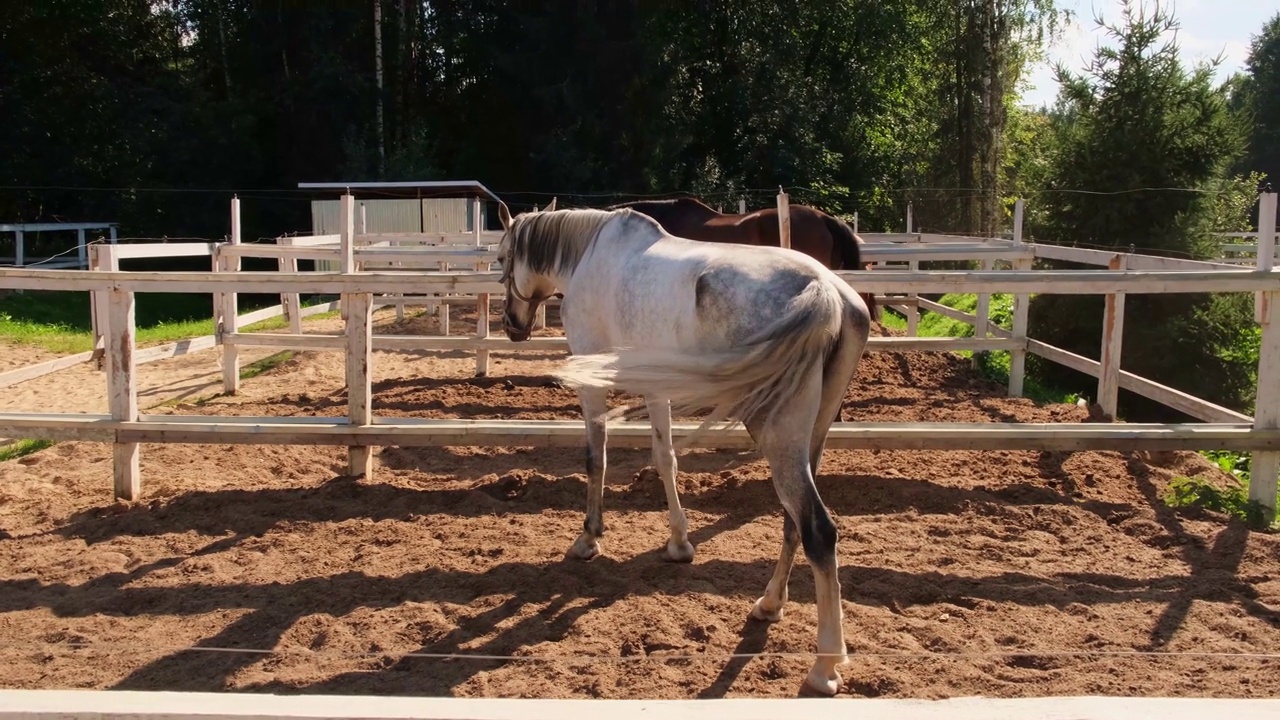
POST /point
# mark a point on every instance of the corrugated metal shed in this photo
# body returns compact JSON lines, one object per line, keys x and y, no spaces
{"x":431,"y":215}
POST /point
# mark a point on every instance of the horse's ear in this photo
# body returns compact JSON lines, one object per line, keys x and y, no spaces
{"x":550,"y":207}
{"x":504,"y":215}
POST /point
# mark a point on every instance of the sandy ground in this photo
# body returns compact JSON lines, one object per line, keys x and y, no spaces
{"x":993,"y":573}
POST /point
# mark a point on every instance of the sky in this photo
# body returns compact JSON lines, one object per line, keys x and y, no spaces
{"x":1207,"y":28}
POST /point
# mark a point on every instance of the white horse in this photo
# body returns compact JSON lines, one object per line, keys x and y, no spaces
{"x":760,"y":334}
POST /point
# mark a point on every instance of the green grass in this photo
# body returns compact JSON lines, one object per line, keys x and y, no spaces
{"x":60,"y":321}
{"x":994,"y":364}
{"x":258,"y":367}
{"x":15,"y":450}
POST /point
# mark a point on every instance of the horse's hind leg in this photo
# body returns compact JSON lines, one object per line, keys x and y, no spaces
{"x":664,"y":459}
{"x":835,"y":382}
{"x":786,"y":444}
{"x":594,"y":406}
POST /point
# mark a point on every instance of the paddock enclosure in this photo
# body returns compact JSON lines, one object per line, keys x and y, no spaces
{"x":387,"y":511}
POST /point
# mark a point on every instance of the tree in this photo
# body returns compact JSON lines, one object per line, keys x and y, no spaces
{"x":1142,"y":161}
{"x":1261,"y":97}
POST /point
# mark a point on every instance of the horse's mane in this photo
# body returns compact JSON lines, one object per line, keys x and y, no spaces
{"x":556,"y":241}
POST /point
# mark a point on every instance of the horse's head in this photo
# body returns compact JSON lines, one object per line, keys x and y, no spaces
{"x":526,"y":288}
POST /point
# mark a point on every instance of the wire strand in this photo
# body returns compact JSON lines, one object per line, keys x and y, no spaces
{"x":981,"y":192}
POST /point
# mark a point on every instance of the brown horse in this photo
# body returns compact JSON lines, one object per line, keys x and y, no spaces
{"x":827,"y":239}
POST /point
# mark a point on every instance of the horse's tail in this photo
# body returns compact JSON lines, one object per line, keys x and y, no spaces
{"x":745,"y":383}
{"x":849,"y":251}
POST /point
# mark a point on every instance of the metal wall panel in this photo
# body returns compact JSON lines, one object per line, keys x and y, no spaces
{"x":432,"y":215}
{"x":446,"y":215}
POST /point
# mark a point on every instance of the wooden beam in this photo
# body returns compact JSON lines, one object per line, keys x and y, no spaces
{"x":488,"y":237}
{"x":1163,"y":394}
{"x":1021,"y":309}
{"x":423,"y":343}
{"x":784,"y":219}
{"x":122,"y":392}
{"x":424,"y":432}
{"x":163,"y":250}
{"x":1266,"y":258}
{"x":913,"y":314}
{"x":359,"y":377}
{"x":1136,"y":262}
{"x":102,"y":258}
{"x":30,"y":372}
{"x":229,"y":315}
{"x":926,"y":253}
{"x":1265,"y":466}
{"x":311,"y":240}
{"x":483,"y":303}
{"x":983,"y":308}
{"x":1112,"y":342}
{"x":347,"y":230}
{"x":1062,"y":282}
{"x":174,"y":349}
{"x":297,"y":252}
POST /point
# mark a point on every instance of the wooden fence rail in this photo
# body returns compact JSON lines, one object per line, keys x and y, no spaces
{"x":114,"y":291}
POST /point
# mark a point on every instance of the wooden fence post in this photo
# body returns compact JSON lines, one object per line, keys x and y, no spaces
{"x":1112,"y":339}
{"x":1021,"y":306}
{"x":483,"y":301}
{"x":228,"y":309}
{"x":981,"y":326}
{"x":982,"y":316}
{"x":291,"y":303}
{"x":913,"y":307}
{"x":1266,"y":243}
{"x":346,"y":243}
{"x":101,"y":257}
{"x":1265,"y":466}
{"x":359,"y":326}
{"x":122,"y":394}
{"x":742,"y":206}
{"x":784,"y":219}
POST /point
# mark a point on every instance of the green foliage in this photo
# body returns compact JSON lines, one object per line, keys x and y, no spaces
{"x":18,"y":449}
{"x":1145,"y":146}
{"x":1232,"y":500}
{"x":1230,"y":461}
{"x":993,"y":365}
{"x":1258,"y":91}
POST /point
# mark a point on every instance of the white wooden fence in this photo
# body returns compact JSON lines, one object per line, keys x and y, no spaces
{"x":125,"y":427}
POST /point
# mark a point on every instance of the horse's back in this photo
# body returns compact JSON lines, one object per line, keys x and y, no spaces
{"x":711,"y":295}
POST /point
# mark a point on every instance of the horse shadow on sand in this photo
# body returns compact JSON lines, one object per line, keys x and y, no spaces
{"x":561,"y":590}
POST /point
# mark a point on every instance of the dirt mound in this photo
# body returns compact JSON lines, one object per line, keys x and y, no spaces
{"x":994,"y":573}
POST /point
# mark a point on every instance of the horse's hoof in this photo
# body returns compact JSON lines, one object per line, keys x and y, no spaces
{"x":679,"y":552}
{"x":760,"y":612}
{"x":823,"y":681}
{"x":584,"y":549}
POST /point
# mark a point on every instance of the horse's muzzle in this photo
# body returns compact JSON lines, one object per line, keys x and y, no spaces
{"x":514,"y":332}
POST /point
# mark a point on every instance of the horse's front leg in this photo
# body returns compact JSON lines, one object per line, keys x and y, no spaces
{"x":664,"y":459}
{"x":594,"y":406}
